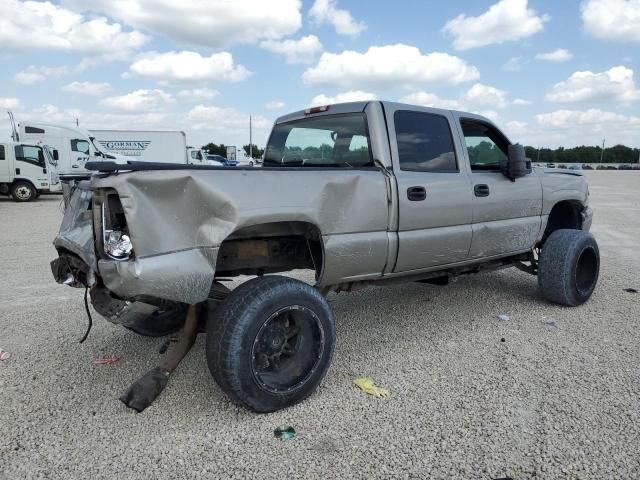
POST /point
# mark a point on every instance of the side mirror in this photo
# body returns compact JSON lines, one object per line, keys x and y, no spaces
{"x":55,"y":155}
{"x":517,"y":164}
{"x":41,"y":156}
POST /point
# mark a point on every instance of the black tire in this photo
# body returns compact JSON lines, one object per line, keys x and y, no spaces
{"x":22,"y":191}
{"x":259,"y":317}
{"x":568,"y":267}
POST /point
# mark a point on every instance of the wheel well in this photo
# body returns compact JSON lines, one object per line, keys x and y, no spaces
{"x":16,"y":180}
{"x":564,"y":214}
{"x":270,"y":248}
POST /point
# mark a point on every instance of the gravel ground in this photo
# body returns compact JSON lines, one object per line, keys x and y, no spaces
{"x":558,"y":398}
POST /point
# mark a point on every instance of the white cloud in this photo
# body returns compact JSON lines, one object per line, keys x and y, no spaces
{"x":198,"y":93}
{"x":617,"y":20}
{"x":43,"y":25}
{"x":521,"y":101}
{"x":514,"y":64}
{"x":485,"y":96}
{"x":516,"y":127}
{"x":585,"y":127}
{"x":426,"y":99}
{"x":274,"y":105}
{"x":189,"y":66}
{"x":505,"y":21}
{"x":35,"y":74}
{"x":295,"y":51}
{"x":557,"y":56}
{"x":29,"y":78}
{"x":139,"y":101}
{"x":615,"y":84}
{"x":388,"y":66}
{"x":350,"y":96}
{"x":9,"y":102}
{"x":327,"y":12}
{"x":88,"y":88}
{"x":213,"y":24}
{"x":203,"y":117}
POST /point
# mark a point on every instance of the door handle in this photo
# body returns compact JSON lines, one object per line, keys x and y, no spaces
{"x":416,"y":194}
{"x":481,"y":190}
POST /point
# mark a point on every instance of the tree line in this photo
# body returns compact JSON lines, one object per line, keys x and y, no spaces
{"x":584,"y":154}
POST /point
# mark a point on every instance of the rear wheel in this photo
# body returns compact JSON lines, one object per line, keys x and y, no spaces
{"x":270,"y":343}
{"x":22,"y":191}
{"x":568,"y":267}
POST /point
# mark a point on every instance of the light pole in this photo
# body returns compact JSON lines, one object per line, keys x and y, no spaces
{"x":250,"y":140}
{"x":602,"y":152}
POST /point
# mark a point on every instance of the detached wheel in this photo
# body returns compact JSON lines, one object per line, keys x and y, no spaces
{"x":568,"y":267}
{"x":270,"y":343}
{"x":23,"y":192}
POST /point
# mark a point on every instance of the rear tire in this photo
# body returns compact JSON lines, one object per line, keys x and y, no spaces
{"x":568,"y":267}
{"x":22,"y":191}
{"x":270,"y":343}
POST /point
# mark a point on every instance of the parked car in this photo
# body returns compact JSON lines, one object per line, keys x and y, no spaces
{"x":587,"y":167}
{"x":551,"y":165}
{"x":363,"y":193}
{"x":219,"y":159}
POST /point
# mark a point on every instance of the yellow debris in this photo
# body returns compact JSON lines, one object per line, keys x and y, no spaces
{"x":367,"y":385}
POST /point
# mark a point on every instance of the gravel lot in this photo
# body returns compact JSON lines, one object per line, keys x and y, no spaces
{"x":559,"y":398}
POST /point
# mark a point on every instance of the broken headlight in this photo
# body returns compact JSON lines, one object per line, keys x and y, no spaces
{"x":117,"y":245}
{"x":115,"y":234}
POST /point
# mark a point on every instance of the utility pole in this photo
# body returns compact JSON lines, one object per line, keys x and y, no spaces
{"x":250,"y":139}
{"x":602,"y":152}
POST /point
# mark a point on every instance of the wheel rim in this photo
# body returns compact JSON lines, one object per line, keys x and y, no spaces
{"x":23,"y":192}
{"x":287,"y":349}
{"x":586,"y":270}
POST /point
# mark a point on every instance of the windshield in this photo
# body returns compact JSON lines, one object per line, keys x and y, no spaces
{"x":326,"y":141}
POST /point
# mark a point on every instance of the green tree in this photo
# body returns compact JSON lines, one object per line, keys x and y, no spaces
{"x":256,"y":151}
{"x":214,"y":149}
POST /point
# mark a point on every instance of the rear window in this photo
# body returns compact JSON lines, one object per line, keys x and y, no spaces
{"x":425,"y":143}
{"x":325,"y":141}
{"x":1,"y":152}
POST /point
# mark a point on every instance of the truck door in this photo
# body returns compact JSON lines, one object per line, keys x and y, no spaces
{"x":80,"y":152}
{"x":30,"y":165}
{"x":5,"y":169}
{"x":434,"y":226}
{"x":506,"y":214}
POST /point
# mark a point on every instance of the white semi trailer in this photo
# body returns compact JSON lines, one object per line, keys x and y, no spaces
{"x":148,"y":145}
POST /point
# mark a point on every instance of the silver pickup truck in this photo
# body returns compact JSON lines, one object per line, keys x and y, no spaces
{"x":363,"y":193}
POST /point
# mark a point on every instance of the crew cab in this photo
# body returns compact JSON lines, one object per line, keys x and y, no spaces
{"x":363,"y":193}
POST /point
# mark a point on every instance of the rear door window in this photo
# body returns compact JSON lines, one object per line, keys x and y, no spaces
{"x":2,"y":152}
{"x":425,"y":142}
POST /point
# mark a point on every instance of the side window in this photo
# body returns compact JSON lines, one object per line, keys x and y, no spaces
{"x":2,"y":152}
{"x":425,"y":143}
{"x":486,"y":146}
{"x":80,"y":146}
{"x":30,"y":154}
{"x":33,"y":130}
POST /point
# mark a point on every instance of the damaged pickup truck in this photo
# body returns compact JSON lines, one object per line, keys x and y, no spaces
{"x":364,"y":193}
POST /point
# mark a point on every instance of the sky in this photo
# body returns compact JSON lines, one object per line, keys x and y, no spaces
{"x":550,"y":73}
